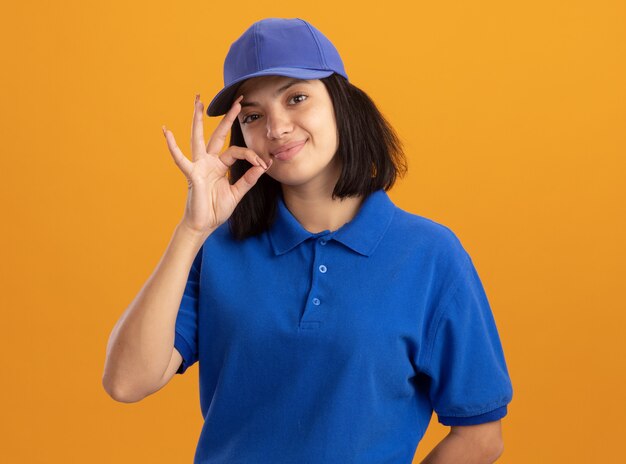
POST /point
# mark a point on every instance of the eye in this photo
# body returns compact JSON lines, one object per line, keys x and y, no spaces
{"x":298,"y":96}
{"x":245,"y":118}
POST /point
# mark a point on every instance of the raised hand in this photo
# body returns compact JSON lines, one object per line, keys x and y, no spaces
{"x":211,"y":199}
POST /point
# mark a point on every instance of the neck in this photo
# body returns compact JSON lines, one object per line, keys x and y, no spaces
{"x":316,"y":211}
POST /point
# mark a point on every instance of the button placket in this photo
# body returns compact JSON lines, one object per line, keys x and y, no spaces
{"x":321,"y":268}
{"x":312,"y":315}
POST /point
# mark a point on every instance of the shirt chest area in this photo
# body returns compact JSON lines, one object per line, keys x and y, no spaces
{"x":320,"y":289}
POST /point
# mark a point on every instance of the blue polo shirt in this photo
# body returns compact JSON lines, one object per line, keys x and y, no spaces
{"x":336,"y":347}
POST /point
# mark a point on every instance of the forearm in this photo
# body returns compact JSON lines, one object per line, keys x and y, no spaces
{"x":460,"y":449}
{"x":141,"y":343}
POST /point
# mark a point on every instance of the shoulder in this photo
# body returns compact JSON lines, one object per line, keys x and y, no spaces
{"x":420,"y":224}
{"x":222,"y":244}
{"x":434,"y":239}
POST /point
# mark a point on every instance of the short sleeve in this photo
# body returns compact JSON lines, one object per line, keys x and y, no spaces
{"x":186,"y":337}
{"x":469,"y":380}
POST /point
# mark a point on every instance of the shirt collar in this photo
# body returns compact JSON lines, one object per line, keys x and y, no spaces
{"x":362,"y":234}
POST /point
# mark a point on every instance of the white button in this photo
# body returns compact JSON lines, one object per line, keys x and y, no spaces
{"x":316,"y":301}
{"x":322,"y":268}
{"x":322,"y":241}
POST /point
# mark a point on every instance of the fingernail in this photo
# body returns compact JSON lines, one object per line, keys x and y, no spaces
{"x":163,"y":127}
{"x":261,"y":162}
{"x":197,"y":96}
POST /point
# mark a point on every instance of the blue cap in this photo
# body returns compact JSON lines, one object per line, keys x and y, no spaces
{"x":276,"y":46}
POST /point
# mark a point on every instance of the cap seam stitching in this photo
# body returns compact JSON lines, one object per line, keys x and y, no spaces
{"x":319,"y":48}
{"x":256,"y":46}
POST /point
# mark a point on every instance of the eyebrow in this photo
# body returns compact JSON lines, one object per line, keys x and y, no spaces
{"x":290,"y":83}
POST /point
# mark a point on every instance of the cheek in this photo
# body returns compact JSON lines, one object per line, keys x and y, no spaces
{"x":329,"y":129}
{"x":324,"y":126}
{"x":249,"y":138}
{"x":246,"y":140}
{"x":256,"y":143}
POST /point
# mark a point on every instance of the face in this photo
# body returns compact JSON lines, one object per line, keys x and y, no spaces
{"x":292,"y":122}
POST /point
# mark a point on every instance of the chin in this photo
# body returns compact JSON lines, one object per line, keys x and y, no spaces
{"x":291,"y":180}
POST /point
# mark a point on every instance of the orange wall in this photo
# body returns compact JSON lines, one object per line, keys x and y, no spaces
{"x":513,"y":118}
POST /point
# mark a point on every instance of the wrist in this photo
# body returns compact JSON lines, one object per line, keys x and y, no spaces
{"x":192,"y":235}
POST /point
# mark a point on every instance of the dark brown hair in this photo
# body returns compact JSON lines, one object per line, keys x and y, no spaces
{"x":370,"y":152}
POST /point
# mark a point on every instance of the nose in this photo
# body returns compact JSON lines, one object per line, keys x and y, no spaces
{"x":278,"y":124}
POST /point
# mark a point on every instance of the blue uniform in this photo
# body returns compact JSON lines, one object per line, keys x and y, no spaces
{"x":336,"y":347}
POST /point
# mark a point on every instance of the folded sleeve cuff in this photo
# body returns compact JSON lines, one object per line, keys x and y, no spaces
{"x":474,"y":420}
{"x":185,"y":351}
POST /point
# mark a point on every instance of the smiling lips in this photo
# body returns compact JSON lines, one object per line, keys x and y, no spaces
{"x":288,"y":150}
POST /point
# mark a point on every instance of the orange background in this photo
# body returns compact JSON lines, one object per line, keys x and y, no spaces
{"x":513,"y":116}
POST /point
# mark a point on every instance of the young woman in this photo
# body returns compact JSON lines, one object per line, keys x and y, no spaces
{"x":328,"y":323}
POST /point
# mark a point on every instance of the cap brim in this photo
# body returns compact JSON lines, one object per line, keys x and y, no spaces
{"x":222,"y":102}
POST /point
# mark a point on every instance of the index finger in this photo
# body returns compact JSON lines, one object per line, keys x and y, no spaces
{"x":197,"y":132}
{"x":216,"y":142}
